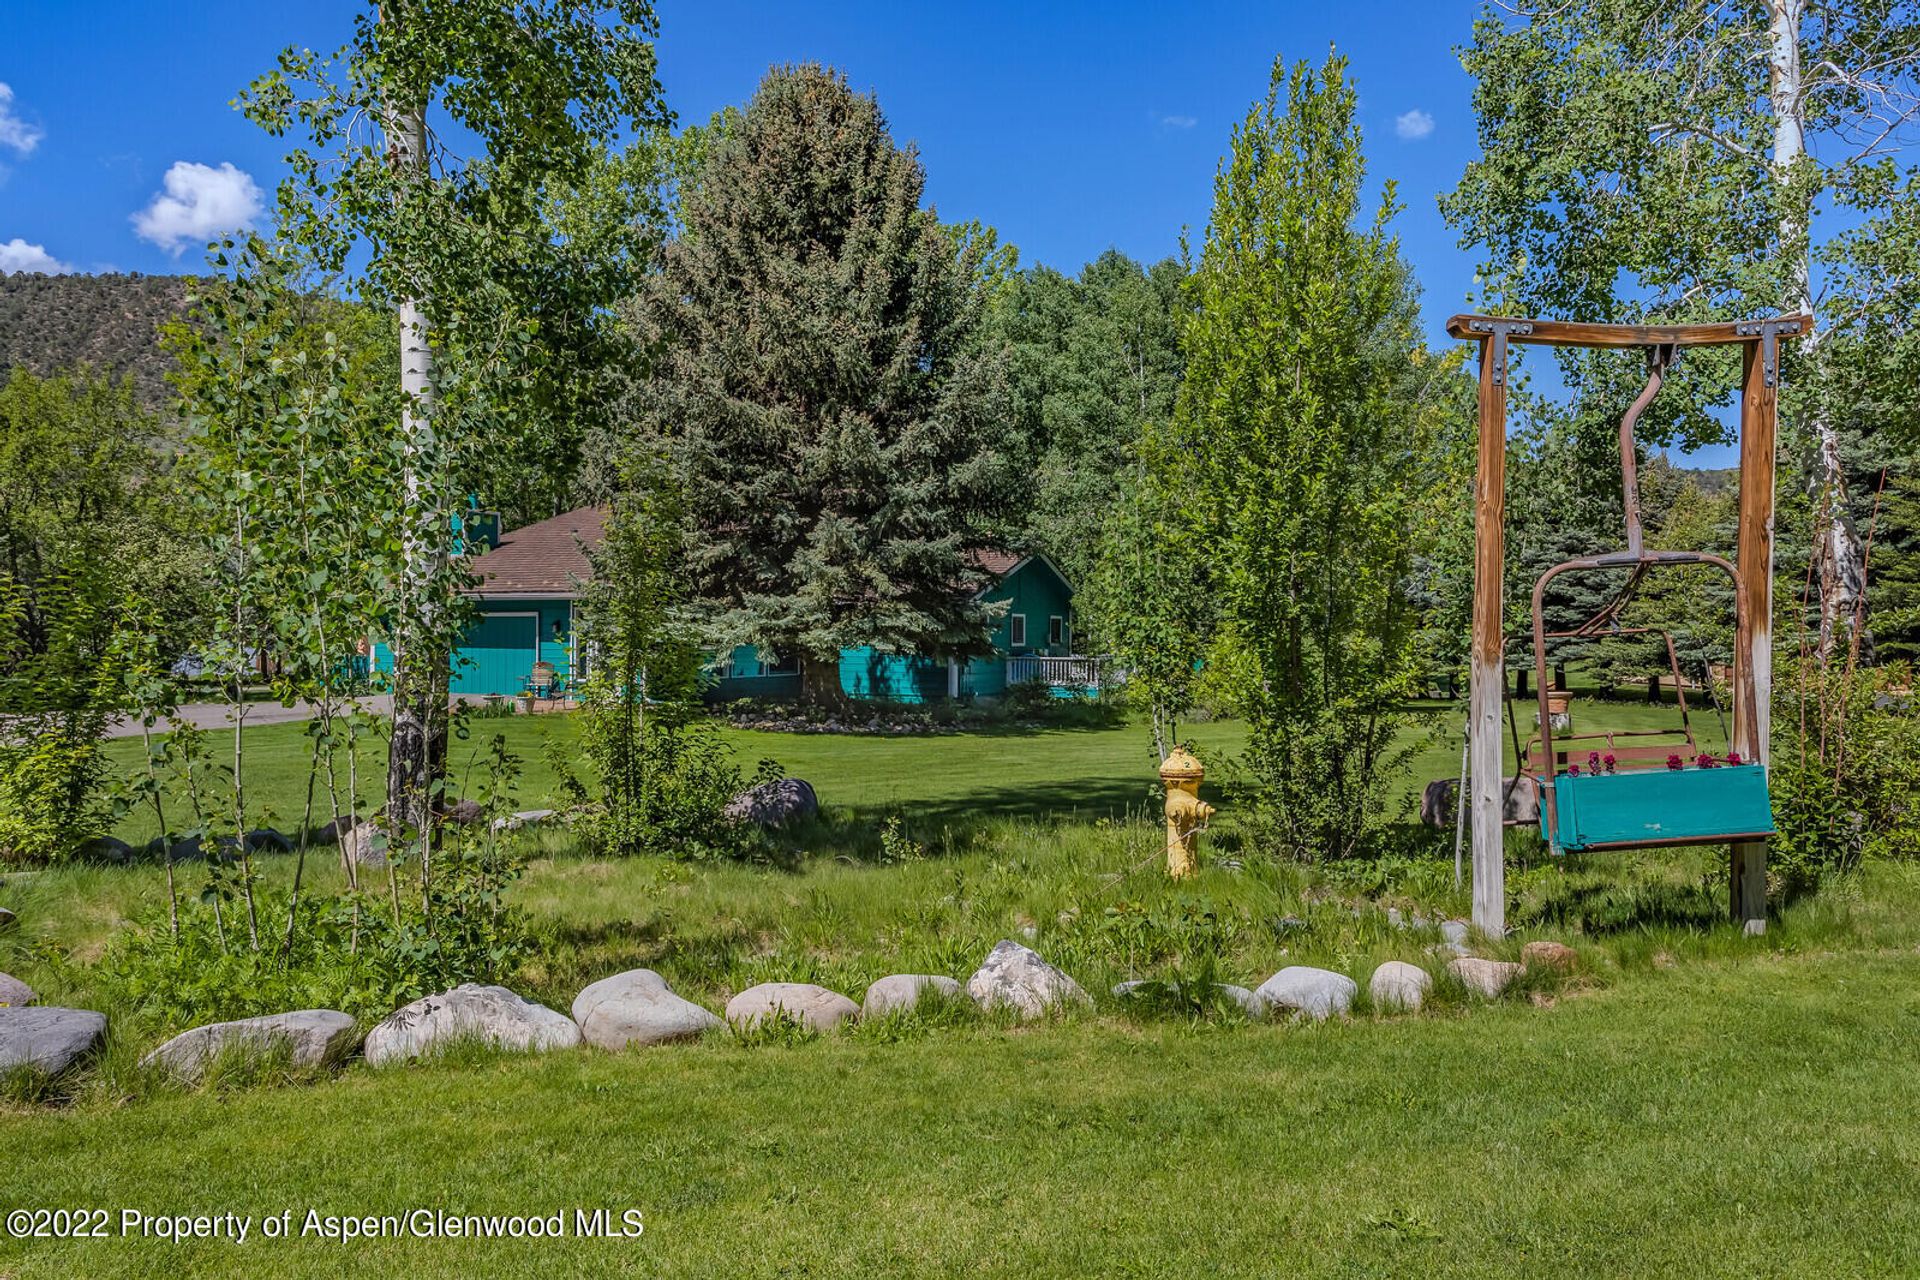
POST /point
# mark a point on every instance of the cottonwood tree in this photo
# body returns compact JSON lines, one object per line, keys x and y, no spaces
{"x":1702,"y":160}
{"x":832,"y":416}
{"x":431,"y":146}
{"x":1296,"y":443}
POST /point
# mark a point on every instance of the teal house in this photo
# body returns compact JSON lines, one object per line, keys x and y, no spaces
{"x":527,"y":587}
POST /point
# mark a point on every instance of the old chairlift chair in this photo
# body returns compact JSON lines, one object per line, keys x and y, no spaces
{"x":1637,"y":798}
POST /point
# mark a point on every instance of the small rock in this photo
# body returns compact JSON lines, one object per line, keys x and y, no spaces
{"x":1399,"y":985}
{"x":1487,"y":977}
{"x":1394,"y":919}
{"x":1314,"y":993}
{"x":815,"y":1008}
{"x":1448,"y":949}
{"x":773,"y":804}
{"x":1015,"y":977}
{"x":315,"y":1037}
{"x":493,"y":1014}
{"x":903,"y":991}
{"x":1544,"y":954}
{"x":1454,"y":931}
{"x":464,"y":812}
{"x":14,"y":992}
{"x":637,"y":1008}
{"x":365,"y":845}
{"x":49,"y":1040}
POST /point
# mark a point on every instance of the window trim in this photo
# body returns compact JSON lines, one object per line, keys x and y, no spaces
{"x":1016,"y":631}
{"x":1056,"y":629}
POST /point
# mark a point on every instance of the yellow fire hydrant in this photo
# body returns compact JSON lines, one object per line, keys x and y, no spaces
{"x":1187,"y":814}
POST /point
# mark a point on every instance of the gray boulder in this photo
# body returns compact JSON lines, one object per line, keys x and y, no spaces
{"x":1305,"y":991}
{"x":313,"y":1037}
{"x":1484,"y":977}
{"x":1015,"y":977}
{"x":773,"y":804}
{"x":493,"y":1014}
{"x":1399,"y":985}
{"x":524,"y":818}
{"x":49,"y":1040}
{"x":903,"y":991}
{"x":464,"y":812}
{"x":14,"y":992}
{"x":1519,"y":802}
{"x":636,"y":1008}
{"x":105,"y":849}
{"x":815,"y":1008}
{"x":1454,"y":931}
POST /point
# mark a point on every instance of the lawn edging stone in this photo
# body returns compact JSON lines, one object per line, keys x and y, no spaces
{"x":48,"y":1039}
{"x":1484,"y":977}
{"x":1016,"y":977}
{"x":903,"y":991}
{"x":1399,"y":987}
{"x":314,"y":1037}
{"x":637,"y":1008}
{"x":15,"y":993}
{"x":1305,"y":991}
{"x":493,"y":1014}
{"x":813,"y":1007}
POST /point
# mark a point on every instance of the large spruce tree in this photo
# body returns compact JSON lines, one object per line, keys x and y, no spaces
{"x":821,"y":381}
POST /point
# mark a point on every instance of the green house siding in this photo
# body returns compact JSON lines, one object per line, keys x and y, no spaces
{"x":1035,"y":592}
{"x":748,"y":673}
{"x":506,"y":638}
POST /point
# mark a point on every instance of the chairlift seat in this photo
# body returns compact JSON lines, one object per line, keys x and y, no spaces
{"x":1657,"y":807}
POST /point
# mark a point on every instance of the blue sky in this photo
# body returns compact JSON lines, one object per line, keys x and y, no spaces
{"x":1070,"y":127}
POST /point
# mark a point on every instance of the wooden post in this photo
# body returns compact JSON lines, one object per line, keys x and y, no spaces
{"x":1753,"y":700}
{"x":1488,"y":691}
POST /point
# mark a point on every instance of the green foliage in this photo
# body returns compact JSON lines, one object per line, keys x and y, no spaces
{"x":834,"y":419}
{"x":1297,"y":449}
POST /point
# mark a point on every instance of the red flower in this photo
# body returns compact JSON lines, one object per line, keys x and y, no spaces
{"x":1610,"y":762}
{"x":1593,"y":761}
{"x":1733,"y":757}
{"x":1705,"y":761}
{"x":1673,"y":762}
{"x":1573,"y":771}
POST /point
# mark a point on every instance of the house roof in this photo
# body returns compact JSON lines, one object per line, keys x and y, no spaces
{"x":543,"y":559}
{"x":997,"y":563}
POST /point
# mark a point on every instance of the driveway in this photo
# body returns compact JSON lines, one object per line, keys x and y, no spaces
{"x":218,"y":715}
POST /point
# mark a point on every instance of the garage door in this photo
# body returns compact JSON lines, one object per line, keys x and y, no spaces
{"x":498,"y":655}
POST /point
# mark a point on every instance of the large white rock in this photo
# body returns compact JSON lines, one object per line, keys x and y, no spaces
{"x":14,"y":992}
{"x":1485,"y":977}
{"x":314,"y":1037}
{"x":903,"y":991}
{"x":48,"y":1040}
{"x":493,"y":1014}
{"x":636,"y":1007}
{"x":1397,"y":985}
{"x":815,"y":1008}
{"x":1015,"y":977}
{"x":1314,"y":993}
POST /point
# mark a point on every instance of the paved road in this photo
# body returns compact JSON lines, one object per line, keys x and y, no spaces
{"x":217,"y":715}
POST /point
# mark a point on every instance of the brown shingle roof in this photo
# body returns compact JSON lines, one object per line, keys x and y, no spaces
{"x":542,"y":559}
{"x":997,"y":563}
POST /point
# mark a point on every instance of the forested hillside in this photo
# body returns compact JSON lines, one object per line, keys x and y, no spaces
{"x":51,"y":323}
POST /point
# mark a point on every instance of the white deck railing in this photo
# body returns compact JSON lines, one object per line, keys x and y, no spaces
{"x":1073,"y":672}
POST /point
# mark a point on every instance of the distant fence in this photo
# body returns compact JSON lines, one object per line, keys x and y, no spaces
{"x":1079,"y":673}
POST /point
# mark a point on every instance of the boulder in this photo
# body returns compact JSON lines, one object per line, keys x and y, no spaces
{"x":363,"y":844}
{"x":814,"y":1008}
{"x":524,"y":818}
{"x":105,"y":849}
{"x":1486,"y":977}
{"x":266,"y":839}
{"x":1543,"y":954}
{"x":14,"y":992}
{"x":464,"y":812}
{"x":1397,"y":985}
{"x":492,"y":1014}
{"x":184,"y":850}
{"x":1454,"y":931}
{"x":1520,"y":803}
{"x":636,"y":1008}
{"x":49,"y":1040}
{"x":313,"y":1037}
{"x":1309,"y":992}
{"x":1015,"y":977}
{"x":903,"y":991}
{"x":1250,"y":1004}
{"x":773,"y":804}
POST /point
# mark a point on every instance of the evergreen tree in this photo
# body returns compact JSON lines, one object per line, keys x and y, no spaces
{"x":832,"y":412}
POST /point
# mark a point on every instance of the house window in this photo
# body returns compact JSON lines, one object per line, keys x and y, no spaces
{"x":1017,"y":631}
{"x":1056,"y":630}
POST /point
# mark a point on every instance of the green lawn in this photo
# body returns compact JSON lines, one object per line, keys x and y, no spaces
{"x":1689,"y":1103}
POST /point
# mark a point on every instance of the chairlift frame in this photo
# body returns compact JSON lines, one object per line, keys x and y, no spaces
{"x":1753,"y":590}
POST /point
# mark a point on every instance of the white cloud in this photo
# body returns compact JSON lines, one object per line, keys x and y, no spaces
{"x":17,"y":255}
{"x":1179,"y":122}
{"x":1413,"y":125}
{"x":15,"y":132}
{"x":199,"y":204}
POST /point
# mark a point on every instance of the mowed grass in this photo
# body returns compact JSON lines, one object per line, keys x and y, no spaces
{"x":1735,"y":1118}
